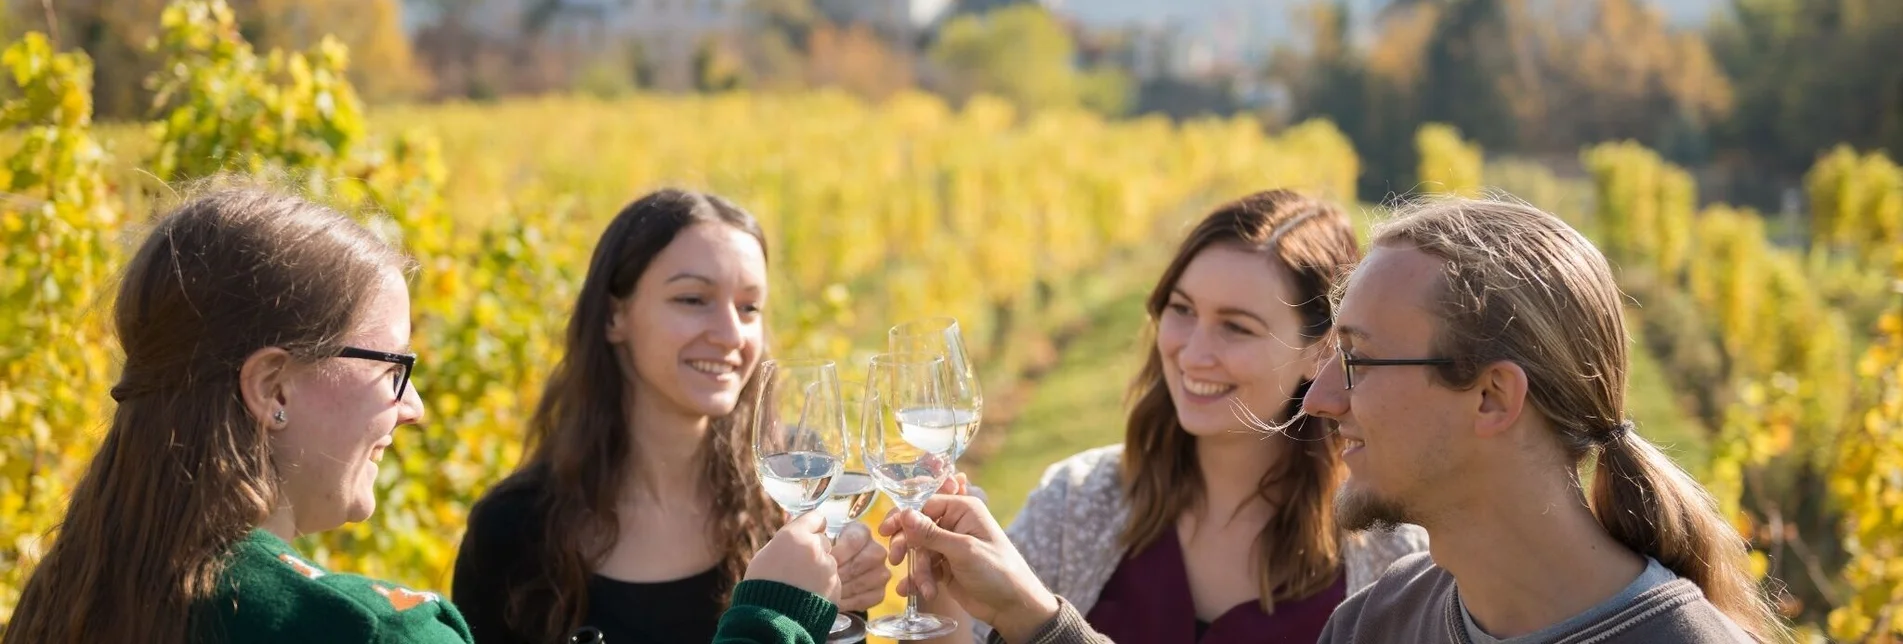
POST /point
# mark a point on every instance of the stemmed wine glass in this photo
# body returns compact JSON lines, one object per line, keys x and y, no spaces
{"x":941,"y":336}
{"x":799,"y":432}
{"x":852,"y":495}
{"x":910,"y":434}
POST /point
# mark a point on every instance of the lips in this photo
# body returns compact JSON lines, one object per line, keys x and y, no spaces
{"x":1351,"y":445}
{"x":712,"y":367}
{"x":1206,"y":388}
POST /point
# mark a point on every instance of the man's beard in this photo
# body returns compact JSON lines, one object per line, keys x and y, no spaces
{"x":1360,"y":510}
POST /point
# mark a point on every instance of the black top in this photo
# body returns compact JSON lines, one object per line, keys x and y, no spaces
{"x":504,"y":529}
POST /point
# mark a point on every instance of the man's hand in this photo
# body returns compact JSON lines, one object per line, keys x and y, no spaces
{"x":973,"y":562}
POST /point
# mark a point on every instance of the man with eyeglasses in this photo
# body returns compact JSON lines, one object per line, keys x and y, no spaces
{"x":1481,"y":359}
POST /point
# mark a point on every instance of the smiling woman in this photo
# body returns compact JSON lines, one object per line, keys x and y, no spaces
{"x":638,"y":508}
{"x":1200,"y":527}
{"x":264,"y":376}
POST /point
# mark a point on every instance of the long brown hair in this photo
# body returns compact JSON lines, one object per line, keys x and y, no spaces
{"x":185,"y":471}
{"x":1300,"y":547}
{"x":1521,"y":286}
{"x":580,"y":444}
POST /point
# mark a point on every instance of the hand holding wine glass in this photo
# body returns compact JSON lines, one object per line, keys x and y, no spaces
{"x":910,"y":435}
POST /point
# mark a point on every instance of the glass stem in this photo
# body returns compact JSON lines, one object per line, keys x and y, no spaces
{"x":911,"y":569}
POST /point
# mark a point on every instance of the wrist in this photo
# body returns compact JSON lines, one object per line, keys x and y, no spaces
{"x":1021,"y":621}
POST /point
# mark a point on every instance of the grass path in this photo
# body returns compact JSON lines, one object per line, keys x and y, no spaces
{"x":1076,"y":406}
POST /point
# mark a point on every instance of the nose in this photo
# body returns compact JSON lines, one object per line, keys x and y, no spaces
{"x":725,"y":329}
{"x":410,"y":408}
{"x":1327,"y":397}
{"x":1198,"y":349}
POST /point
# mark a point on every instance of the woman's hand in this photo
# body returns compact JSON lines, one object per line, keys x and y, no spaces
{"x":862,"y":572}
{"x":801,"y":556}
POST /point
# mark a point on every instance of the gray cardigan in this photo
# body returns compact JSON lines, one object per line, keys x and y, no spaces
{"x":1069,"y":527}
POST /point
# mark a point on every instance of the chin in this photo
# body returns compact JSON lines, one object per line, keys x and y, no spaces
{"x":717,"y":405}
{"x":360,"y":512}
{"x":1358,"y":509}
{"x":1201,"y":427}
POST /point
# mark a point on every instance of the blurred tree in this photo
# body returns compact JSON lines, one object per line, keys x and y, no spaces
{"x":1021,"y":53}
{"x":853,"y":58}
{"x":116,"y":35}
{"x":718,"y":67}
{"x":1464,"y":64}
{"x":1810,"y":74}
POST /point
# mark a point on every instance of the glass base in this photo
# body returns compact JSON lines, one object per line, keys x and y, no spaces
{"x":922,"y":626}
{"x":847,"y":627}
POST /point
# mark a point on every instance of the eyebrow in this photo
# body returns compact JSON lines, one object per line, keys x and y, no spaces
{"x":750,"y":288}
{"x":1227,"y":310}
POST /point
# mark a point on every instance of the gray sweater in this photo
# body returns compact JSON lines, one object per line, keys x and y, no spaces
{"x":1416,"y":602}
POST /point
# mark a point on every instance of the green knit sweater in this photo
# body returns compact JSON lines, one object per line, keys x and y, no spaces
{"x":268,"y":593}
{"x":769,"y":612}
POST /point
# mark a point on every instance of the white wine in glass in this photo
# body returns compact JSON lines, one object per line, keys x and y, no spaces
{"x":962,"y":394}
{"x":799,"y":432}
{"x":909,"y":439}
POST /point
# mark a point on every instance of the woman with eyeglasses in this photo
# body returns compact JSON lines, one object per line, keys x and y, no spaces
{"x":267,"y":368}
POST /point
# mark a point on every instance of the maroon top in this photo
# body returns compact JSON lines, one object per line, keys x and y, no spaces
{"x":1147,"y":600}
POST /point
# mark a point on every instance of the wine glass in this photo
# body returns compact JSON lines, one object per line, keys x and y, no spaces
{"x":799,"y":432}
{"x":940,"y":335}
{"x":851,"y":496}
{"x":909,"y":433}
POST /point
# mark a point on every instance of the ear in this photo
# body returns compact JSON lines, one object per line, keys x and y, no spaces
{"x":617,"y":332}
{"x":1502,"y":387}
{"x":263,"y":381}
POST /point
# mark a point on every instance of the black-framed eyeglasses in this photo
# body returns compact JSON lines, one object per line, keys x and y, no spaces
{"x":399,"y":379}
{"x":1348,"y":364}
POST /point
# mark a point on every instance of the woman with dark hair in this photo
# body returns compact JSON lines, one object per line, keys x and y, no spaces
{"x":1201,"y":526}
{"x":637,"y":508}
{"x":267,"y":368}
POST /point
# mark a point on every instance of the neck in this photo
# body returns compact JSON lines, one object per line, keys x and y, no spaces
{"x":666,"y":464}
{"x":1526,"y":560}
{"x":1232,"y":467}
{"x":282,"y":523}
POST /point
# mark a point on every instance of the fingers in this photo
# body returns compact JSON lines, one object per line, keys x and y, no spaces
{"x":855,"y":537}
{"x":863,"y":589}
{"x":919,"y":532}
{"x":865,"y":561}
{"x":809,"y":523}
{"x":955,"y":484}
{"x":896,"y":555}
{"x":909,"y":587}
{"x":865,"y":600}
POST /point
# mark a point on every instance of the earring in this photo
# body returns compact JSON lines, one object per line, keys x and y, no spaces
{"x":278,"y":416}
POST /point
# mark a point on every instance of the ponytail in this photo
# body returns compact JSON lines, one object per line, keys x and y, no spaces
{"x":1654,"y":507}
